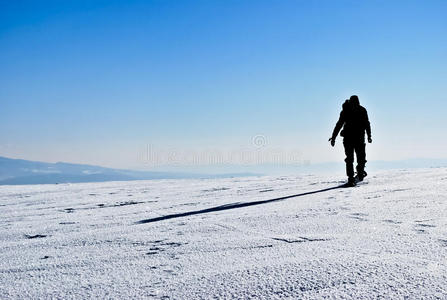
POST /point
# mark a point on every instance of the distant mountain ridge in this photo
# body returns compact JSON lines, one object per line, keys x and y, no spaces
{"x":20,"y":171}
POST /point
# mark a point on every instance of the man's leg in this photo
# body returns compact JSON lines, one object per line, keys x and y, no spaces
{"x":349,"y":160}
{"x":361,"y":158}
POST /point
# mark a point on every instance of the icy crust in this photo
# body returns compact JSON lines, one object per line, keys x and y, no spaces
{"x":384,"y":239}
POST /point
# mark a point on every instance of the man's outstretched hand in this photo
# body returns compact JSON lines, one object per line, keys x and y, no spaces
{"x":370,"y":140}
{"x":332,"y":140}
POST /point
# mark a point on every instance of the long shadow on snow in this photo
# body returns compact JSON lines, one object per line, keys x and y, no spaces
{"x":232,"y":206}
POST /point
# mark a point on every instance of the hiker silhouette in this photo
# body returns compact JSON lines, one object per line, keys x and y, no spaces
{"x":354,"y":120}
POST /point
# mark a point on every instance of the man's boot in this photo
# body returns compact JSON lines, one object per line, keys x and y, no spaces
{"x":351,"y":181}
{"x":361,"y":171}
{"x":361,"y":175}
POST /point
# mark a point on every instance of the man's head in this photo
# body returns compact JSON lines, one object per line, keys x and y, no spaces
{"x":354,"y":100}
{"x":346,"y":104}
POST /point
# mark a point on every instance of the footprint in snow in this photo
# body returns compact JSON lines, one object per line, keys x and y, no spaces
{"x":358,"y":216}
{"x":300,"y":239}
{"x":215,"y":189}
{"x":161,"y":246}
{"x":426,"y":225}
{"x":374,"y":197}
{"x":392,"y":221}
{"x":36,"y":236}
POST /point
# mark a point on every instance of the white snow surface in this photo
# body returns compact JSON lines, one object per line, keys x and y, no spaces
{"x":386,"y":238}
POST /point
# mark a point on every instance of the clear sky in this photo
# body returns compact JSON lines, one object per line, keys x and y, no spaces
{"x":96,"y":81}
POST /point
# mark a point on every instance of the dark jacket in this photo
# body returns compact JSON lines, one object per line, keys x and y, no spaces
{"x":354,"y":120}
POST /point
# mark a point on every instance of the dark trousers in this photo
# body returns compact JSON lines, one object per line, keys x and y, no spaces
{"x":357,"y":146}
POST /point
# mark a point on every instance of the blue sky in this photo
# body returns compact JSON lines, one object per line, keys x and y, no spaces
{"x":96,"y":81}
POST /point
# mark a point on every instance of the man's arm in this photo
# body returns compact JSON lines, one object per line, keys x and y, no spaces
{"x":367,"y":126}
{"x":338,"y":126}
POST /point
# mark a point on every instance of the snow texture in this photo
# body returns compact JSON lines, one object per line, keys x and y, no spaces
{"x":386,"y":238}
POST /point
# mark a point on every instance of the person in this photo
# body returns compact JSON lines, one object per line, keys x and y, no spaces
{"x":354,"y":120}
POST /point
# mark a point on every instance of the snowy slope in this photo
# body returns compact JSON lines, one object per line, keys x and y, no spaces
{"x":385,"y":238}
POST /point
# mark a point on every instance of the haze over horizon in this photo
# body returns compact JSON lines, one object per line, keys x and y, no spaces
{"x":101,"y":82}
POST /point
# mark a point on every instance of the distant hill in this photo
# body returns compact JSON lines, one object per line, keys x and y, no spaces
{"x":19,"y":171}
